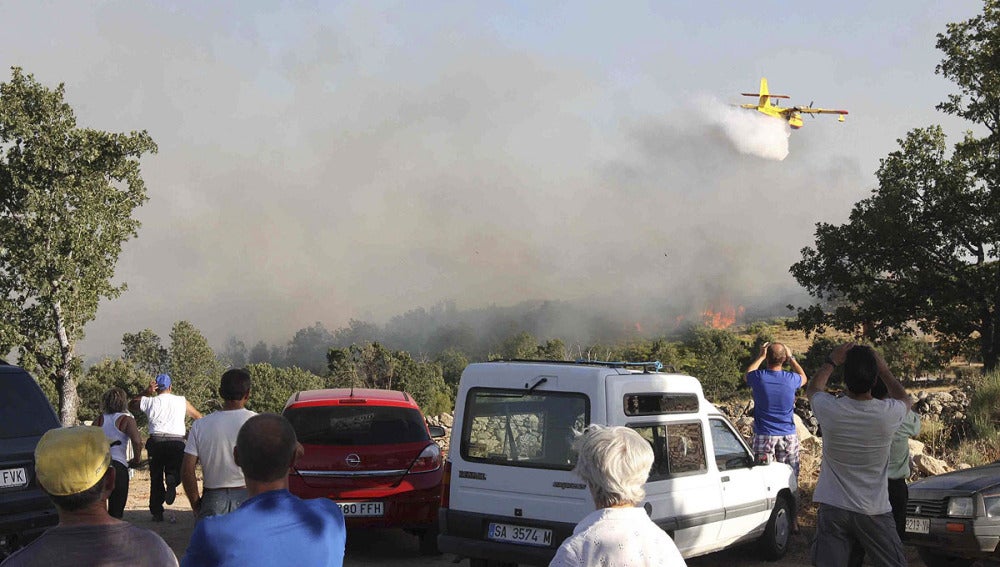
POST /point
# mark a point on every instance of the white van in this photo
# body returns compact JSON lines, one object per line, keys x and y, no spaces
{"x":511,"y":496}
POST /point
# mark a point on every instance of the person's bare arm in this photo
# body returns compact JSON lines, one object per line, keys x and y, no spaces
{"x":798,"y":370}
{"x":129,"y":427}
{"x":834,"y":359}
{"x":192,"y":412}
{"x":756,"y":363}
{"x":896,"y":390}
{"x":190,"y":481}
{"x":133,"y":404}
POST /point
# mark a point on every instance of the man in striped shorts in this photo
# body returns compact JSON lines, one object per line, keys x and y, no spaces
{"x":773,"y":391}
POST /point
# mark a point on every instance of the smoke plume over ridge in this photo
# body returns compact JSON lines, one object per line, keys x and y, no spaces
{"x":358,"y":171}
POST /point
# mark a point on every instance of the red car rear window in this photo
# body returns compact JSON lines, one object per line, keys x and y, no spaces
{"x":357,"y":425}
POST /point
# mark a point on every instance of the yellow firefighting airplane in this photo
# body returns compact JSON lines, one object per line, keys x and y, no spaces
{"x":791,"y":114}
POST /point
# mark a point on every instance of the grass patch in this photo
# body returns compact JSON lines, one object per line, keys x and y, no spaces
{"x":984,"y":406}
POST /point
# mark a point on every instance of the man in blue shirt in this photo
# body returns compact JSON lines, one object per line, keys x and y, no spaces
{"x":773,"y":391}
{"x":272,"y":527}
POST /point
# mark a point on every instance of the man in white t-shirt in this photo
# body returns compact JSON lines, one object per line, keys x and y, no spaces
{"x":857,"y":432}
{"x":165,"y":447}
{"x":211,"y":442}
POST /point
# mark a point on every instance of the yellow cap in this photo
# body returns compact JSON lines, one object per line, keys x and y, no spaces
{"x":70,"y":460}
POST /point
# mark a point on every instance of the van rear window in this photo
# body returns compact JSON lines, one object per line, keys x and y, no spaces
{"x":509,"y":427}
{"x":659,"y":403}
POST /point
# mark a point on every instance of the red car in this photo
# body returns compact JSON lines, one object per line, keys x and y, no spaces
{"x":372,"y":452}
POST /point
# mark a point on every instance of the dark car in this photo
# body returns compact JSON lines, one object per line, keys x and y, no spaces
{"x":954,"y":518}
{"x":25,"y":511}
{"x":372,"y":452}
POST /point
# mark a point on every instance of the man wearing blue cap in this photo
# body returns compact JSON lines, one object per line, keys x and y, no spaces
{"x":166,"y":412}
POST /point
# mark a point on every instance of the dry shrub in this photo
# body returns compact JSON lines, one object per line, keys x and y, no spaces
{"x":934,"y":434}
{"x":978,"y":452}
{"x":809,"y":462}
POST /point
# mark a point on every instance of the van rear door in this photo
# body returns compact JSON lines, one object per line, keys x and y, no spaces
{"x":515,"y":457}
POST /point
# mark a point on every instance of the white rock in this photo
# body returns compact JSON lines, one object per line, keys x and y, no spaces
{"x":929,"y":466}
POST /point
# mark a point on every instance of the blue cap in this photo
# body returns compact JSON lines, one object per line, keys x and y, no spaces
{"x":162,"y":381}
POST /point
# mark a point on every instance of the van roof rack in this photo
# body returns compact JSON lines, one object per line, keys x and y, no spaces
{"x":647,"y":366}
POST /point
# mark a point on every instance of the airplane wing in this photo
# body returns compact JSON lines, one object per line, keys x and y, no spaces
{"x":811,"y":110}
{"x":768,"y":95}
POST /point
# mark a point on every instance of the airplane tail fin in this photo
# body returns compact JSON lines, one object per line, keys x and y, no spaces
{"x":764,"y":96}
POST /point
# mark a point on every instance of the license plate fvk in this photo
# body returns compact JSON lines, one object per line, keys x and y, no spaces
{"x":362,"y":509}
{"x":519,"y":534}
{"x":12,"y":478}
{"x":918,"y":525}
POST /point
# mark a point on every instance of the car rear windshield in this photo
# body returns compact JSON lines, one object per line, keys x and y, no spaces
{"x":25,"y":410}
{"x":357,"y":425}
{"x":509,"y":427}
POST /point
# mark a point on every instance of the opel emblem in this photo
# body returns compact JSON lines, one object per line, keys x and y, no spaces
{"x":353,"y":460}
{"x":916,"y":510}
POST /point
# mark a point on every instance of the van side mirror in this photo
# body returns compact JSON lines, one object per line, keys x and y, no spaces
{"x":436,"y":431}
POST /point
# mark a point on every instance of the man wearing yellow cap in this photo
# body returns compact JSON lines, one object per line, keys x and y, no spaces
{"x":73,"y":466}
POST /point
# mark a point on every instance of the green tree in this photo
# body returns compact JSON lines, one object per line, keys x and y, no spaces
{"x":355,"y":333}
{"x":424,"y":381}
{"x":271,"y":387}
{"x":104,"y":375}
{"x":235,"y":353}
{"x":371,"y":365}
{"x":453,"y":363}
{"x":922,"y":250}
{"x":519,"y":346}
{"x":718,"y":360}
{"x":671,"y":354}
{"x":193,"y":367}
{"x":259,"y":353}
{"x":146,"y":352}
{"x":67,"y":198}
{"x":308,"y":348}
{"x":911,"y":357}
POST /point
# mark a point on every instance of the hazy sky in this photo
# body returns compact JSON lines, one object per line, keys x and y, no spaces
{"x":323,"y":161}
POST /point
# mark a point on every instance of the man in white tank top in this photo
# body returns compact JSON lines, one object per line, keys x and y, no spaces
{"x":211,"y":441}
{"x":166,"y":412}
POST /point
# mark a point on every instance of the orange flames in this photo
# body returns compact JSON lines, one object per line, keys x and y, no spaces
{"x":724,"y":318}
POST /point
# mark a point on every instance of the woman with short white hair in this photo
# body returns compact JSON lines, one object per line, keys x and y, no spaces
{"x":615,"y":463}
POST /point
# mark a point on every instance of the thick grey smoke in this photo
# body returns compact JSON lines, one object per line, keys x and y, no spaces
{"x":345,"y":172}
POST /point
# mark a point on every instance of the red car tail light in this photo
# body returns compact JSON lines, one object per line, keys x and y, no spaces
{"x":428,"y":461}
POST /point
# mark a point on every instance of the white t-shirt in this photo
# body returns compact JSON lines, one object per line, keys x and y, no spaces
{"x":856,"y":439}
{"x":615,"y":537}
{"x":212,"y":439}
{"x":166,"y":414}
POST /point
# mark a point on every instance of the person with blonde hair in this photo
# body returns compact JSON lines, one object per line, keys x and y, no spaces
{"x":614,"y":462}
{"x":120,"y":428}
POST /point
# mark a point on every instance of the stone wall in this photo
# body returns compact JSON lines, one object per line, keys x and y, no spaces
{"x":445,"y":420}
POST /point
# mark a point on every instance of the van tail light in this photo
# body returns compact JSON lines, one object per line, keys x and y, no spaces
{"x":446,"y":484}
{"x":428,"y":461}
